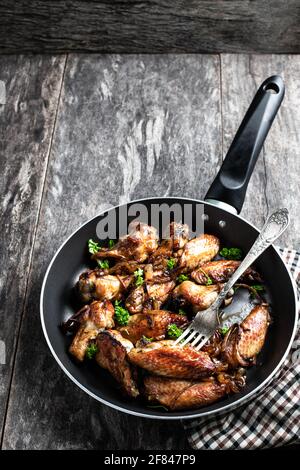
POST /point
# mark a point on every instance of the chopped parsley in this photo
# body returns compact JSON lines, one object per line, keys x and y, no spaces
{"x":139,"y":279}
{"x":231,"y":253}
{"x":171,"y":263}
{"x":145,"y":339}
{"x":103,"y":264}
{"x":111,"y":243}
{"x":94,"y":247}
{"x":174,"y":331}
{"x":121,"y":314}
{"x":181,"y":312}
{"x":91,"y":351}
{"x":181,"y":278}
{"x":258,"y":287}
{"x":224,"y":330}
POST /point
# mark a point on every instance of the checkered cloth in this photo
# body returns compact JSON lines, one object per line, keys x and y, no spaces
{"x":272,"y":419}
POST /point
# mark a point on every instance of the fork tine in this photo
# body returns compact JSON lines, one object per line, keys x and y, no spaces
{"x":200,"y":345}
{"x":188,"y":339}
{"x":197,"y":339}
{"x":186,"y":332}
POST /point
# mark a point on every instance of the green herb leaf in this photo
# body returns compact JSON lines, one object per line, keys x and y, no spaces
{"x":94,"y":247}
{"x":258,"y":287}
{"x":174,"y":331}
{"x":146,"y":339}
{"x":181,"y":312}
{"x":121,"y":314}
{"x":231,"y":253}
{"x":103,"y":264}
{"x":224,"y":330}
{"x":181,"y":278}
{"x":91,"y":351}
{"x":139,"y":279}
{"x":171,"y":263}
{"x":209,"y":281}
{"x":111,"y":243}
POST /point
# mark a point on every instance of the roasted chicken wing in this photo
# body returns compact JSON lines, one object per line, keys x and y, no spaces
{"x":243,"y":342}
{"x":221,"y":271}
{"x":88,"y":322}
{"x":112,"y":355}
{"x":200,"y":297}
{"x":137,"y":245}
{"x":153,"y":324}
{"x":96,"y":285}
{"x":163,"y":358}
{"x":198,"y":251}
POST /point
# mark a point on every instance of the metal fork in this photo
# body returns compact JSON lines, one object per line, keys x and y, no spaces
{"x":207,"y":321}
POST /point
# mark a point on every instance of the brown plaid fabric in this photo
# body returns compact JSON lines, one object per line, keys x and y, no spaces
{"x":271,"y":419}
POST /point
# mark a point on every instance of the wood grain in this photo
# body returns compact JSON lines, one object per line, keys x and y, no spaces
{"x":150,"y":26}
{"x":275,"y":182}
{"x":127,"y":127}
{"x":27,"y":117}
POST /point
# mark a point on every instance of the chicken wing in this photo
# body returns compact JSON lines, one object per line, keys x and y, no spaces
{"x":198,"y":251}
{"x":159,"y":292}
{"x":137,"y":245}
{"x":153,"y":324}
{"x":200,"y":297}
{"x":88,"y":322}
{"x":243,"y":342}
{"x":163,"y":358}
{"x":112,"y":354}
{"x":94,"y":285}
{"x":182,"y":394}
{"x":221,"y":271}
{"x":135,"y":301}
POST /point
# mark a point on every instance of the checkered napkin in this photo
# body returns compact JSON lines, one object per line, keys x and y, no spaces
{"x":272,"y":418}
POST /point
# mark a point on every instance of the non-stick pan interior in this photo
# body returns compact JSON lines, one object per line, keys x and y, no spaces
{"x":58,"y":303}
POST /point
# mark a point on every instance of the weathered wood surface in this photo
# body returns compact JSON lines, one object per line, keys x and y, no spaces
{"x":129,"y":127}
{"x":26,"y":123}
{"x":275,"y":182}
{"x":132,"y":26}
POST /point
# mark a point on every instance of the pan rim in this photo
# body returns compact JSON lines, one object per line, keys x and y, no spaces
{"x":195,"y":415}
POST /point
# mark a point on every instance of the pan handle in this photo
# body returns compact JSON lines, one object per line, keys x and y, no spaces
{"x":228,"y":190}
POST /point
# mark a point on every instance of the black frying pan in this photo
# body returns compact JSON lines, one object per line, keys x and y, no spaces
{"x":222,"y":203}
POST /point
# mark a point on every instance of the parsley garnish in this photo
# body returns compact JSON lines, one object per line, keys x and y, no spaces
{"x":146,"y":339}
{"x":231,"y":253}
{"x":91,"y":351}
{"x":103,"y":264}
{"x":138,"y":274}
{"x":121,"y":314}
{"x":111,"y":243}
{"x":174,"y":331}
{"x":171,"y":263}
{"x":224,"y":330}
{"x":94,"y":247}
{"x":181,"y":278}
{"x":181,"y":312}
{"x":258,"y":287}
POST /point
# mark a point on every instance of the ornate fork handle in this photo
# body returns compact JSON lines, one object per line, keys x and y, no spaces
{"x":275,"y":225}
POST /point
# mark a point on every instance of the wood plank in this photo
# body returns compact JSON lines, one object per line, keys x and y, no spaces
{"x":127,"y":127}
{"x":27,"y":117}
{"x":132,"y":26}
{"x":275,"y":179}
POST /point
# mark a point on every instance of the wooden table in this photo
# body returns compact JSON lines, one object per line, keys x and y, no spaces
{"x":80,"y":132}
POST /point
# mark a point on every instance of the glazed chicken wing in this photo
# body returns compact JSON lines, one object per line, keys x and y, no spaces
{"x":175,"y":237}
{"x":159,"y":292}
{"x":163,"y":358}
{"x":112,"y":354}
{"x":96,"y":285}
{"x":243,"y":342}
{"x":89,"y":321}
{"x":182,"y":394}
{"x":153,"y":324}
{"x":198,"y":251}
{"x":137,"y":245}
{"x":200,"y":297}
{"x":221,"y":271}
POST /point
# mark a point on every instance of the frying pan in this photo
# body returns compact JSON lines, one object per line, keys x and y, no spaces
{"x":222,"y":204}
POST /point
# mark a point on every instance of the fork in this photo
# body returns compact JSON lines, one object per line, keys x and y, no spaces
{"x":207,"y":321}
